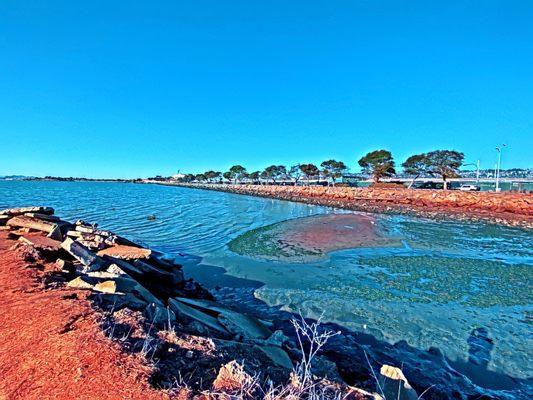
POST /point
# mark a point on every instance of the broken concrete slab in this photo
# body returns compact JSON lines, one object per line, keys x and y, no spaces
{"x":102,"y":275}
{"x":155,"y":272}
{"x":182,"y":309}
{"x":82,"y":282}
{"x":121,"y":267}
{"x":46,"y":217}
{"x":23,"y":210}
{"x":31,"y":223}
{"x":235,"y":322}
{"x":126,"y":283}
{"x":41,"y":242}
{"x":108,"y":286}
{"x":277,"y":355}
{"x":92,"y":244}
{"x":126,"y":252}
{"x":92,"y":230}
{"x":241,"y":324}
{"x":83,"y":255}
{"x":55,"y":233}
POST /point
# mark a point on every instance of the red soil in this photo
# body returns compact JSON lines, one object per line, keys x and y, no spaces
{"x":51,"y":345}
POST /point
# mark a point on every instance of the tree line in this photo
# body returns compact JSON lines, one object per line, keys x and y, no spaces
{"x":378,"y":164}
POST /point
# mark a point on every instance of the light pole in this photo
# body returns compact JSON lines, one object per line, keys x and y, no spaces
{"x":499,"y":150}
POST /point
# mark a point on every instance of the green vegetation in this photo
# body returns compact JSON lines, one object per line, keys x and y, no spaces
{"x":333,"y":169}
{"x":309,"y":170}
{"x":378,"y":163}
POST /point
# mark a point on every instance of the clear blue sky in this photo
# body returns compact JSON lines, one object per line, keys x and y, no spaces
{"x":127,"y":89}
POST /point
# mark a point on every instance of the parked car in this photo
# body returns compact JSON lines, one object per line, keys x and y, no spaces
{"x":469,"y":188}
{"x":428,"y":185}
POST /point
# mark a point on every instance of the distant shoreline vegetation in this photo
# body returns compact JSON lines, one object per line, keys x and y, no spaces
{"x":375,"y":165}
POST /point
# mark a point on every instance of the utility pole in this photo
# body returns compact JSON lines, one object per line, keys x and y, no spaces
{"x":499,"y":150}
{"x":477,"y":172}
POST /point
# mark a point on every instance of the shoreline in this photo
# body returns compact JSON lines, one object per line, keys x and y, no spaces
{"x":162,"y":327}
{"x":122,"y":321}
{"x":509,"y":209}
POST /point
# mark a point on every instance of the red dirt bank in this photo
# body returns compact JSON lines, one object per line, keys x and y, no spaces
{"x":52,"y":346}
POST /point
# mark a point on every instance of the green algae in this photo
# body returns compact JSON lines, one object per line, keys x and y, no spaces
{"x":431,"y":279}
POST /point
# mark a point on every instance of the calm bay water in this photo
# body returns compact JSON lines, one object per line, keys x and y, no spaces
{"x":447,"y":280}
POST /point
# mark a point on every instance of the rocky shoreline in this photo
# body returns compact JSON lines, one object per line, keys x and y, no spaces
{"x":511,"y":209}
{"x":224,"y":343}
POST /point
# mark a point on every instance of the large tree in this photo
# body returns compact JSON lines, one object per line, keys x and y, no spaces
{"x":237,"y":172}
{"x":275,"y":172}
{"x":416,"y":165}
{"x":254,"y":176}
{"x":295,"y":173}
{"x":309,"y":170}
{"x":200,"y":177}
{"x":333,"y":169}
{"x":445,"y":163}
{"x":212,"y":175}
{"x":227,"y":175}
{"x":378,"y":163}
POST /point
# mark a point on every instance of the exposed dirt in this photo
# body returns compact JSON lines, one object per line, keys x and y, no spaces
{"x":52,"y":345}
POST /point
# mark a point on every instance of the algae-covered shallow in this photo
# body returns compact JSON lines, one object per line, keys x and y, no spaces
{"x":429,"y":283}
{"x":309,"y":239}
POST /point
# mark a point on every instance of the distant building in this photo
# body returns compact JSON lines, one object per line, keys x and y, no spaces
{"x":177,"y":177}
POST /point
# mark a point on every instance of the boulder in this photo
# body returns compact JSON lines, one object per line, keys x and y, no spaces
{"x":4,"y":219}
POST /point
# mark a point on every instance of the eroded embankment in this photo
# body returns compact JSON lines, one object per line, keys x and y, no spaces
{"x":513,"y":209}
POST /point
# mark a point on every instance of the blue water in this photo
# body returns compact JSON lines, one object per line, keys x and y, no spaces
{"x":446,"y":280}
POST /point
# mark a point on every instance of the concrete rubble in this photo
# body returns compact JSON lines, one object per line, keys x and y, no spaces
{"x":124,"y":274}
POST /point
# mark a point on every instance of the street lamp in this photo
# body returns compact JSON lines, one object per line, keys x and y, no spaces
{"x":499,"y":150}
